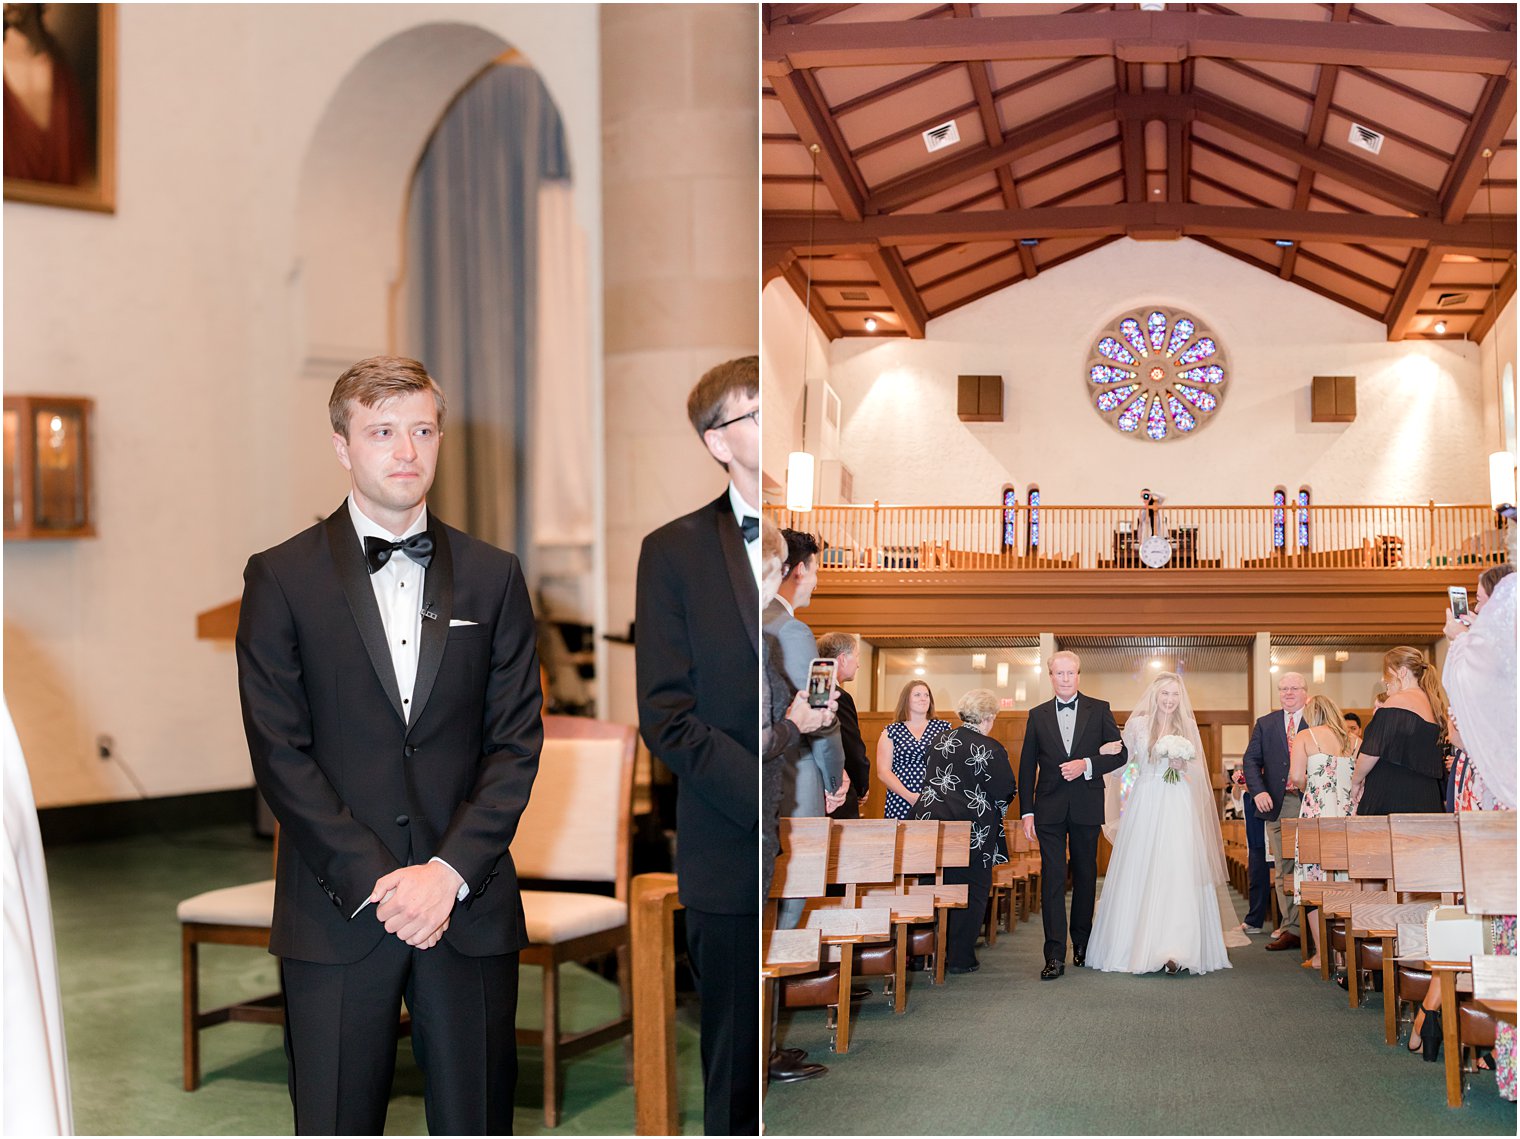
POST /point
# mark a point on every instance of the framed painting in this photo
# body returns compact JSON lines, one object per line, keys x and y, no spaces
{"x":60,"y":105}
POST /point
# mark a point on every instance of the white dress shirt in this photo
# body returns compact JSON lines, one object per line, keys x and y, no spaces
{"x":398,"y":591}
{"x":743,"y":510}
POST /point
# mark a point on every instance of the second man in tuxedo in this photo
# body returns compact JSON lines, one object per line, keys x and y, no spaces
{"x":1061,"y":773}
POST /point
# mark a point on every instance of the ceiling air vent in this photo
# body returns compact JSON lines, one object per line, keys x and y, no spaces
{"x":1366,"y":138}
{"x":937,"y":138}
{"x":1451,"y":300}
{"x":853,"y":295}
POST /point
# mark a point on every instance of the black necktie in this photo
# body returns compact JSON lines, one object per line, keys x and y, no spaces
{"x":1062,"y":706}
{"x":750,"y":526}
{"x":419,"y":547}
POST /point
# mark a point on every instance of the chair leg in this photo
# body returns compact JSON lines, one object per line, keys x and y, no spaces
{"x":1326,"y":954}
{"x":1390,"y":995}
{"x":1449,"y":1044}
{"x":625,"y":997}
{"x":551,"y":1045}
{"x":900,"y":971}
{"x":941,"y":939}
{"x":991,"y":924}
{"x":846,"y":982}
{"x":190,"y":966}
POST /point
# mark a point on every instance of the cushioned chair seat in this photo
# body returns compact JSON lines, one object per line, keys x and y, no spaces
{"x":1475,"y":1027}
{"x":554,"y":916}
{"x":251,"y":905}
{"x":813,"y":990}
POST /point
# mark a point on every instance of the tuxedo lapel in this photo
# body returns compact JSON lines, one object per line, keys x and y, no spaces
{"x":353,"y":575}
{"x":1084,"y":716}
{"x":741,"y":575}
{"x":438,"y":599}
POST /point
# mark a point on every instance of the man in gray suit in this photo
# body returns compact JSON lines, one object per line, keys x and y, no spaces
{"x":815,"y":783}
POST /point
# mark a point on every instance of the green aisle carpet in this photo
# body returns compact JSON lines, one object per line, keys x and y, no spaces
{"x":119,"y":954}
{"x":1264,"y":1048}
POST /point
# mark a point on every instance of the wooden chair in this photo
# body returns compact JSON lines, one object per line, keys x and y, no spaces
{"x":1487,"y":843}
{"x":651,"y":924}
{"x":917,"y":858}
{"x":576,"y":828}
{"x":801,"y":872}
{"x":1306,"y":849}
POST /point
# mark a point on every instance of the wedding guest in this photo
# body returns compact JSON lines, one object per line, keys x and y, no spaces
{"x":845,"y":649}
{"x":695,"y":612}
{"x":1258,"y":877}
{"x":1353,"y":723}
{"x":781,"y":749}
{"x":1274,"y":795}
{"x":970,"y":780}
{"x":1321,"y":764}
{"x":1480,"y":677}
{"x":903,"y":745}
{"x":1400,"y":767}
{"x":815,"y":784}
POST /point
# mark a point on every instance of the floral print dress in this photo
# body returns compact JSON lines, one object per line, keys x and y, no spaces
{"x":1327,"y":794}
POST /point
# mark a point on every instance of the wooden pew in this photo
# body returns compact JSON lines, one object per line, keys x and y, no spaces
{"x":954,"y":850}
{"x":656,"y":1110}
{"x":1306,"y":849}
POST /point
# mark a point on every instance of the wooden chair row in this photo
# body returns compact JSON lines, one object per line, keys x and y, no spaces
{"x":1397,"y":868}
{"x":882,"y":913}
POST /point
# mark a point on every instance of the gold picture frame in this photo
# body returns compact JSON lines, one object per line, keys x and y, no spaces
{"x":60,"y":63}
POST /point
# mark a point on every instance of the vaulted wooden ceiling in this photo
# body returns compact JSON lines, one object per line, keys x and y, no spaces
{"x":1081,"y":125}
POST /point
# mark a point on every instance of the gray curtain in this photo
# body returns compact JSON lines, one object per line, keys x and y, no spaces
{"x":472,"y":255}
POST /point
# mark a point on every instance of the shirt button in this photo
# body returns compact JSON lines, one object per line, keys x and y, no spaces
{"x":410,"y":751}
{"x":402,"y":820}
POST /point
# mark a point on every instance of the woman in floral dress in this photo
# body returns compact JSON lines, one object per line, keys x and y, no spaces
{"x":1321,"y":763}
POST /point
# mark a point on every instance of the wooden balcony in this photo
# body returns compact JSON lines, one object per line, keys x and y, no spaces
{"x":932,"y":572}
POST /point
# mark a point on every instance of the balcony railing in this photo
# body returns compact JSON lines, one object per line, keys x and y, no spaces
{"x":1110,"y":537}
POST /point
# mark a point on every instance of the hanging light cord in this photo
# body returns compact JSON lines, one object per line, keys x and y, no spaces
{"x":807,"y":299}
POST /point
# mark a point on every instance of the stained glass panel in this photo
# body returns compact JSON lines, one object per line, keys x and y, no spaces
{"x":1010,"y":518}
{"x":1111,"y":348}
{"x":1130,"y":330}
{"x":1130,"y":419}
{"x":1156,"y":322}
{"x":1303,"y":519}
{"x":1210,"y":374}
{"x":1181,"y":416}
{"x":1279,"y":499}
{"x":1034,"y":518}
{"x":1202,"y":400}
{"x":1204,"y":348}
{"x":1155,"y":422}
{"x":1112,"y":398}
{"x":1182,"y":332}
{"x":1106,"y":374}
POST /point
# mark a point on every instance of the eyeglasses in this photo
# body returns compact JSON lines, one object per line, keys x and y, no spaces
{"x":752,"y":414}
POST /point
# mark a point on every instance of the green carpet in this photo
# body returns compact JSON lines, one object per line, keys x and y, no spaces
{"x":119,"y":961}
{"x":1264,"y":1048}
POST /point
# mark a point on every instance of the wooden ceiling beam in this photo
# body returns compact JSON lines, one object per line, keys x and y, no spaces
{"x":1147,"y":220}
{"x":1136,"y":37}
{"x":886,"y":263}
{"x":1414,"y":282}
{"x":1037,"y":135}
{"x":1279,"y":140}
{"x":1503,"y":291}
{"x":1490,"y":122}
{"x":1312,"y":286}
{"x":797,"y":277}
{"x":817,"y":128}
{"x":1319,"y":115}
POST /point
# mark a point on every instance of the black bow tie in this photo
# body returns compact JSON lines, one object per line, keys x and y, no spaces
{"x":1062,"y":706}
{"x":750,"y":526}
{"x":419,"y":547}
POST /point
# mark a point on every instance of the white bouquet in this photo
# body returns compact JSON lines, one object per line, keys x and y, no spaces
{"x":1178,"y":753}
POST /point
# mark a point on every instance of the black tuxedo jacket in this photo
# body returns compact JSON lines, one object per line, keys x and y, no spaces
{"x":857,"y":761}
{"x":696,"y":645}
{"x":1265,"y":762}
{"x":1054,"y":799}
{"x":357,"y":789}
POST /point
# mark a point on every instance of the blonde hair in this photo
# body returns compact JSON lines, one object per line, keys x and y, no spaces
{"x":373,"y":381}
{"x":1051,"y":663}
{"x":900,"y":716}
{"x":1322,"y":711}
{"x":1152,"y":707}
{"x":1424,"y":671}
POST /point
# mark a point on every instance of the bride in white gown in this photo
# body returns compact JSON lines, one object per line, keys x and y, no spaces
{"x":1164,"y":904}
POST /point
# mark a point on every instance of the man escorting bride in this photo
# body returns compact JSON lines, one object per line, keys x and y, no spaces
{"x":1163,"y":903}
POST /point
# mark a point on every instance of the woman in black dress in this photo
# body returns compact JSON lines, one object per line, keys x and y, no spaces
{"x":1400,"y":769}
{"x":968,"y":779}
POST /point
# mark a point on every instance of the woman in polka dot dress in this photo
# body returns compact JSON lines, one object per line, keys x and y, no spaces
{"x":901,"y":750}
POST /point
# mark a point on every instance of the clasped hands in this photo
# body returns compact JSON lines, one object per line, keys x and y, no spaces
{"x":1074,"y":769}
{"x":415,"y":902}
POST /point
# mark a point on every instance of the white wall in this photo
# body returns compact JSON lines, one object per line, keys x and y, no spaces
{"x":185,"y":316}
{"x":783,"y":334}
{"x":1421,"y":405}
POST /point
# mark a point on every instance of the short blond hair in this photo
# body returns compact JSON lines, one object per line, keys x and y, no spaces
{"x":836,"y":645}
{"x":373,"y":381}
{"x":1050,"y":665}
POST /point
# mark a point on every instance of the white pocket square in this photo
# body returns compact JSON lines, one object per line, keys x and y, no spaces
{"x":456,"y":621}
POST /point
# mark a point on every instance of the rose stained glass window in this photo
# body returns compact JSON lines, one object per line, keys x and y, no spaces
{"x":1157,"y":374}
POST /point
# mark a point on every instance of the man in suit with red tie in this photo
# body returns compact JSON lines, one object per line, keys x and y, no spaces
{"x":1265,"y":764}
{"x":1061,"y":773}
{"x":696,"y":644}
{"x":390,"y":694}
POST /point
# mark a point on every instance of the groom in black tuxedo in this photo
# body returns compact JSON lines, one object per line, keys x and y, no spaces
{"x":1061,"y":773}
{"x":390,"y":694}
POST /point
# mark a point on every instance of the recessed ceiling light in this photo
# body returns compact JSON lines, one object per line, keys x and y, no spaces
{"x":1272,"y":669}
{"x":1029,"y":241}
{"x":1440,"y":328}
{"x":918,"y":672}
{"x":870,"y":324}
{"x":1283,"y":243}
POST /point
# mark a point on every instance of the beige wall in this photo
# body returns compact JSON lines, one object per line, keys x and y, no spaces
{"x":681,"y":213}
{"x":203,"y":319}
{"x":1426,"y":409}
